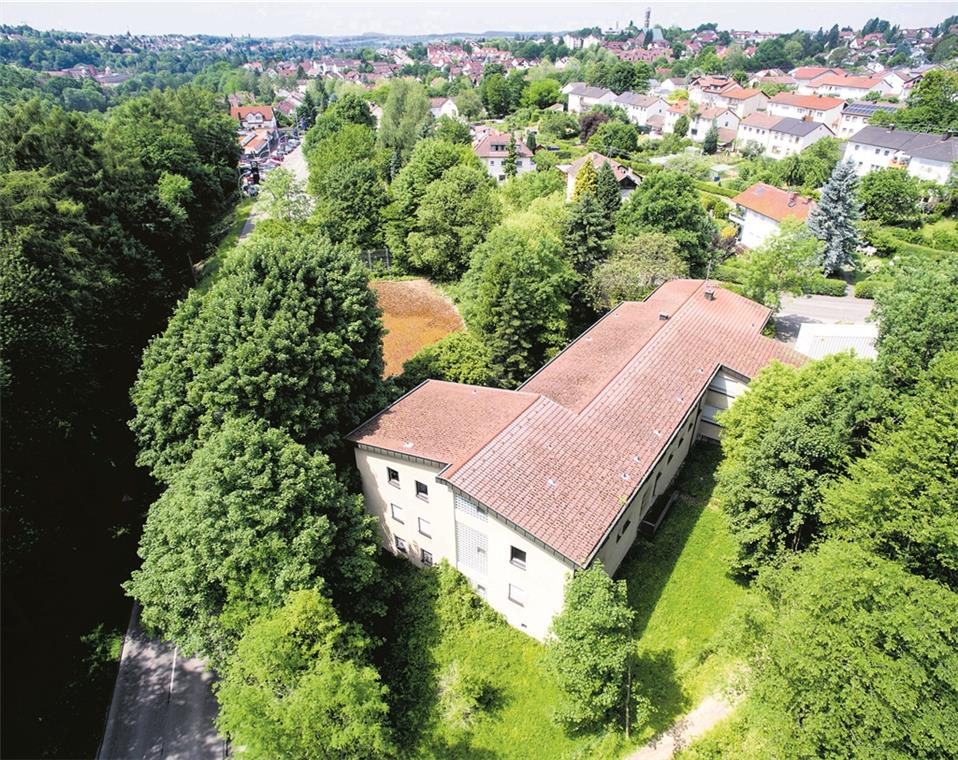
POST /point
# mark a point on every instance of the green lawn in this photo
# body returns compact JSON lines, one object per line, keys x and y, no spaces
{"x":682,"y":596}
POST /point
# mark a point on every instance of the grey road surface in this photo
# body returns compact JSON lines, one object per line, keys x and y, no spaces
{"x":798,"y":310}
{"x":163,"y":706}
{"x":295,"y":161}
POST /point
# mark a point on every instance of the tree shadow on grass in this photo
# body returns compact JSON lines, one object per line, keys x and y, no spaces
{"x":655,"y":678}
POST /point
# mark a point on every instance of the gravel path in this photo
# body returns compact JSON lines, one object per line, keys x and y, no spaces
{"x":711,"y":711}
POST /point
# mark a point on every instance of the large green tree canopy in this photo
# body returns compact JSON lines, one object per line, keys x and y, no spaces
{"x":289,"y":333}
{"x":252,"y":515}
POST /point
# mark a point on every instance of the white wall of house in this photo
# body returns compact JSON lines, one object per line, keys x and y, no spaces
{"x":830,"y":116}
{"x":474,"y":540}
{"x":496,"y":167}
{"x":929,"y":169}
{"x":748,"y":133}
{"x":850,"y":93}
{"x":699,"y":126}
{"x":640,"y":116}
{"x":869,"y":157}
{"x":756,"y":228}
{"x":851,"y":124}
{"x":782,"y":145}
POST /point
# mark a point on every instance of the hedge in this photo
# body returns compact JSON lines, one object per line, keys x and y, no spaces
{"x":827,"y":286}
{"x":715,"y":189}
{"x":866,"y":288}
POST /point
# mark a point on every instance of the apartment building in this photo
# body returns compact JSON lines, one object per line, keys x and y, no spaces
{"x":520,"y":489}
{"x":721,"y":118}
{"x":925,"y":155}
{"x":640,"y":107}
{"x":790,"y":136}
{"x":855,"y":116}
{"x":826,"y":111}
{"x":583,"y":97}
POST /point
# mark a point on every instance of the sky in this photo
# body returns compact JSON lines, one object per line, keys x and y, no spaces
{"x":277,"y":19}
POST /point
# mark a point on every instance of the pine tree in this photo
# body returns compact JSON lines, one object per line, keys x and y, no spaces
{"x":607,"y":190}
{"x":509,"y":164}
{"x":833,"y":221}
{"x":585,"y":181}
{"x":710,"y":144}
{"x":531,"y":143}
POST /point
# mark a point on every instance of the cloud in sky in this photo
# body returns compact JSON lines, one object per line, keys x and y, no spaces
{"x":277,"y":19}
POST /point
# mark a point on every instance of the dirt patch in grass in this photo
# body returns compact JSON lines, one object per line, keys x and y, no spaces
{"x":415,"y":315}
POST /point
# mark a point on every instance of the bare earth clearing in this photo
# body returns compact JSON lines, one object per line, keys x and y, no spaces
{"x":415,"y":315}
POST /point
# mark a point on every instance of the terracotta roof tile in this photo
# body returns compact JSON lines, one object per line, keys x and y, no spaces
{"x":584,"y":431}
{"x":812,"y":102}
{"x":775,"y":203}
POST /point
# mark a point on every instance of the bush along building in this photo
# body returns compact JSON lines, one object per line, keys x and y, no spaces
{"x":519,"y":489}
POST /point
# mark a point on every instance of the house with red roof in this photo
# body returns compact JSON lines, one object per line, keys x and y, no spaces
{"x":254,"y":117}
{"x":443,"y":107}
{"x":722,"y":118}
{"x":493,"y":150}
{"x":628,"y":180}
{"x":806,"y":77}
{"x":520,"y":489}
{"x":762,"y":208}
{"x":824,"y":110}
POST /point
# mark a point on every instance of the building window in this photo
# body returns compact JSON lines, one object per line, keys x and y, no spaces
{"x":397,"y":512}
{"x":401,"y":545}
{"x":669,"y":460}
{"x":517,"y":557}
{"x":517,"y":595}
{"x":481,"y":591}
{"x":426,"y":558}
{"x":422,"y":491}
{"x":625,"y":527}
{"x":392,"y":476}
{"x":425,"y":527}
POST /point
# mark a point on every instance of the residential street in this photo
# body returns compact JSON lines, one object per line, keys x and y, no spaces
{"x":162,"y":706}
{"x":296,"y":163}
{"x":796,"y":311}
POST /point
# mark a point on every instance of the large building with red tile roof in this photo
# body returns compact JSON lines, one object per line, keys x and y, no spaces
{"x":254,"y":117}
{"x":519,"y":489}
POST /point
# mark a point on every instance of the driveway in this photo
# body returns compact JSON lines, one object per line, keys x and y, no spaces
{"x":163,"y":705}
{"x":797,"y":310}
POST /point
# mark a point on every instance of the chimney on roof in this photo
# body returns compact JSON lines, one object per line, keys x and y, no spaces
{"x":792,"y":199}
{"x":710,"y":294}
{"x":663,"y":315}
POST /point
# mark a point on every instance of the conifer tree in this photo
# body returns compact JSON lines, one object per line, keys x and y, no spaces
{"x":607,"y":190}
{"x":833,"y":220}
{"x":710,"y":144}
{"x":586,"y":181}
{"x":509,"y":164}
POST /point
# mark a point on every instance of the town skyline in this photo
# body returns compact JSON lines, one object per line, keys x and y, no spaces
{"x":425,"y":18}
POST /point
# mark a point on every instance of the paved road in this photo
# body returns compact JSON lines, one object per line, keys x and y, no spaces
{"x":163,"y":705}
{"x":711,"y":711}
{"x":796,"y":311}
{"x":296,"y":163}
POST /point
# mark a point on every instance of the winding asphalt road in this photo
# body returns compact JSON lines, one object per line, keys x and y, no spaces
{"x":163,"y":706}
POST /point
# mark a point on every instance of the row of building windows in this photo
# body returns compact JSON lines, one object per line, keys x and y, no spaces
{"x":422,"y":490}
{"x":425,"y":527}
{"x":424,"y":556}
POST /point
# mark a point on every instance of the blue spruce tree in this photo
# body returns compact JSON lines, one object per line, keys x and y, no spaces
{"x":833,"y":220}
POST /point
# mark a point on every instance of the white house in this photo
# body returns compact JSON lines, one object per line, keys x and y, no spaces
{"x":762,"y":208}
{"x":702,"y":89}
{"x":521,"y":489}
{"x":672,"y":114}
{"x":741,"y":101}
{"x":721,"y":118}
{"x":582,"y":97}
{"x":628,"y":180}
{"x":852,"y":87}
{"x":790,"y":136}
{"x":855,"y":116}
{"x":926,"y":156}
{"x":443,"y":107}
{"x":640,"y":107}
{"x":754,"y":129}
{"x":254,"y":117}
{"x":493,"y":151}
{"x":807,"y":77}
{"x":821,"y":109}
{"x":668,"y":86}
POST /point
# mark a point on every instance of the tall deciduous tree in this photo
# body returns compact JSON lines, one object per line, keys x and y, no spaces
{"x":590,"y":650}
{"x":855,"y":660}
{"x":834,"y":220}
{"x":285,"y":196}
{"x":917,"y":319}
{"x":890,"y":196}
{"x":636,"y":267}
{"x":252,"y":516}
{"x":784,"y":442}
{"x":299,"y":686}
{"x":668,"y":202}
{"x":901,"y":499}
{"x":289,"y":333}
{"x":786,"y":262}
{"x":405,"y":111}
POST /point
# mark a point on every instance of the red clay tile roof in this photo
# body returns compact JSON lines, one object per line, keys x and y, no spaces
{"x":445,"y":422}
{"x":760,"y":120}
{"x":241,"y":112}
{"x":775,"y":203}
{"x":813,"y":102}
{"x":806,"y":73}
{"x":864,"y":83}
{"x":565,"y":474}
{"x":563,"y":455}
{"x":485,"y":147}
{"x":741,"y":93}
{"x":621,"y":172}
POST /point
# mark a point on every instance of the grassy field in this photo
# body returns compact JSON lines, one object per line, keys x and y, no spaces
{"x":415,"y":315}
{"x":682,"y":596}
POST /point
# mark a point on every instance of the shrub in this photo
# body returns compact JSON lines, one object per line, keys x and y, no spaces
{"x":827,"y":286}
{"x":868,"y":287}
